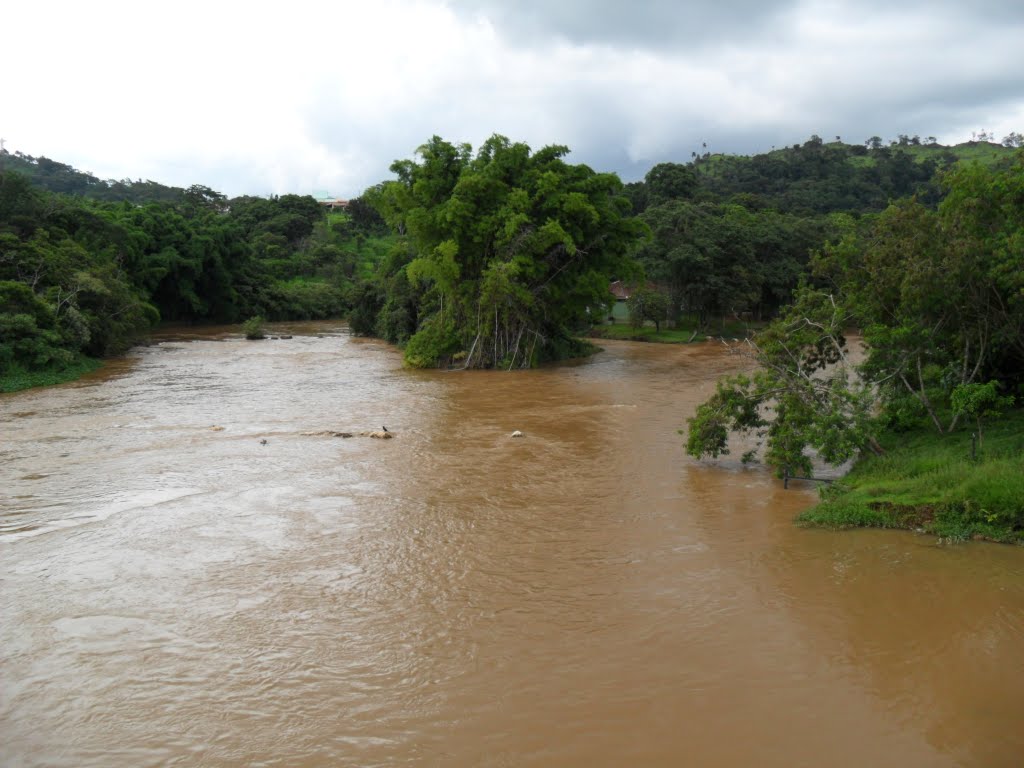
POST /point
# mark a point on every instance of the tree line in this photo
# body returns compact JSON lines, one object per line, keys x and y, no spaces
{"x":81,"y":277}
{"x":499,"y":257}
{"x":937,"y":294}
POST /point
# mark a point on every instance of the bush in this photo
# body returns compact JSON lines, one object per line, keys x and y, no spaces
{"x":433,"y":344}
{"x":253,"y":328}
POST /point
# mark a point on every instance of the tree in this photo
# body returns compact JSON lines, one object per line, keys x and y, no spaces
{"x":364,"y":216}
{"x":647,"y":304}
{"x":667,"y":181}
{"x":940,"y":294}
{"x":980,"y":401}
{"x":513,"y":248}
{"x":717,"y":259}
{"x":804,"y":396}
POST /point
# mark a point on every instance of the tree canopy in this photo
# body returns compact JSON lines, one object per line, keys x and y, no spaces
{"x":509,"y":251}
{"x":939,"y":296}
{"x":80,"y":276}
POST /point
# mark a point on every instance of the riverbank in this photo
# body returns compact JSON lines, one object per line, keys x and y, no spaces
{"x":930,"y":483}
{"x":17,"y":378}
{"x":682,"y":334}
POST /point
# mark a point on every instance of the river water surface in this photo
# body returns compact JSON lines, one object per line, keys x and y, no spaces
{"x":175,"y":594}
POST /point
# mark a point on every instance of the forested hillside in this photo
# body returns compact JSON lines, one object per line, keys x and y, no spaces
{"x":819,"y":177}
{"x":52,"y":176}
{"x":732,"y":235}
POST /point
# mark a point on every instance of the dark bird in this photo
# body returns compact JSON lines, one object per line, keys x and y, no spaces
{"x":263,"y":441}
{"x":384,"y":428}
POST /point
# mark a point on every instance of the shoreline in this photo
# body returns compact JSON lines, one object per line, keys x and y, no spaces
{"x":931,"y":484}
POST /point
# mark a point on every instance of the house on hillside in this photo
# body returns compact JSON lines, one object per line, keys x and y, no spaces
{"x":330,"y":202}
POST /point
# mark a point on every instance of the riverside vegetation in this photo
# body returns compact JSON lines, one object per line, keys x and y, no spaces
{"x":84,"y":271}
{"x":501,"y":258}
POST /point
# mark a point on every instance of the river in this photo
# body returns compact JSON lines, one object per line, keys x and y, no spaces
{"x":177,"y":592}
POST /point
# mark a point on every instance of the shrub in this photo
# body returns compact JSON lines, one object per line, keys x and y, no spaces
{"x":433,"y":344}
{"x":253,"y":328}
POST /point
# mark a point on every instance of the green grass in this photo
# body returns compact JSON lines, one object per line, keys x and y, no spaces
{"x":929,"y":482}
{"x":678,"y":335}
{"x":17,"y":378}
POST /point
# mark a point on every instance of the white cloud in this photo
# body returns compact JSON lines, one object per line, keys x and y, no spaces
{"x":265,"y":97}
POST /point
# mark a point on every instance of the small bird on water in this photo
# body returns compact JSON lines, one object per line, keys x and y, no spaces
{"x":263,"y":441}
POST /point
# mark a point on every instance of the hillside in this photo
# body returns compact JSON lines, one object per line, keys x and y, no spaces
{"x":64,"y":179}
{"x":820,"y":177}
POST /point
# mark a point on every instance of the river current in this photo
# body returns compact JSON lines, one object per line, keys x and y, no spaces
{"x":176,"y":591}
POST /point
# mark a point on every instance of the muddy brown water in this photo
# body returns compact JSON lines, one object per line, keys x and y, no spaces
{"x":586,"y":595}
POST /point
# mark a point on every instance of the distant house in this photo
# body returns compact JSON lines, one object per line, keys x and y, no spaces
{"x":335,"y":202}
{"x":622,"y":291}
{"x":328,"y":201}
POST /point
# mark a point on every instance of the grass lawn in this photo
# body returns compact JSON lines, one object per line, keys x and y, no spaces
{"x":678,"y":335}
{"x":929,"y":482}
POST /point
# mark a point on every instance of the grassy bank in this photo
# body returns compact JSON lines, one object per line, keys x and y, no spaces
{"x":17,"y":378}
{"x":678,"y":335}
{"x":929,"y":482}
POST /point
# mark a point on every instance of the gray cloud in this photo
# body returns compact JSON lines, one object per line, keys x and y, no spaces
{"x":634,"y":23}
{"x":693,"y":24}
{"x":291,"y":106}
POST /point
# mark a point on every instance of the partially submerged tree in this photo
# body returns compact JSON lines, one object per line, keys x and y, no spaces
{"x":804,"y":396}
{"x":513,"y":249}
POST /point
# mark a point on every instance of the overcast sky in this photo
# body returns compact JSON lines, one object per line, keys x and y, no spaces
{"x":261,"y":98}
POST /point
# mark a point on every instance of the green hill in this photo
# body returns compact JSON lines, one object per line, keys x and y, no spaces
{"x":820,"y":177}
{"x":57,"y":177}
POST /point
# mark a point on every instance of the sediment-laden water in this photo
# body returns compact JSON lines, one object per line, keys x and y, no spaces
{"x":176,"y":592}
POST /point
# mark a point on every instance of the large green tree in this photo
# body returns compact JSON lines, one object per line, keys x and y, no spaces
{"x":513,"y":249}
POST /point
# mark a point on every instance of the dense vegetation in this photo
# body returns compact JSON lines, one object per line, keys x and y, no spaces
{"x":506,"y":248}
{"x":938,"y":294}
{"x":733,"y":235}
{"x":948,"y":487}
{"x":507,"y":254}
{"x":81,"y":278}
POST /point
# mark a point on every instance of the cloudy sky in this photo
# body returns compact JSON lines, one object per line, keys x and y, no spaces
{"x":261,"y":98}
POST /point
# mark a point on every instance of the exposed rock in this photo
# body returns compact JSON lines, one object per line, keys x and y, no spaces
{"x":517,"y":433}
{"x":327,"y":433}
{"x":216,"y":429}
{"x":284,"y":337}
{"x":380,"y":434}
